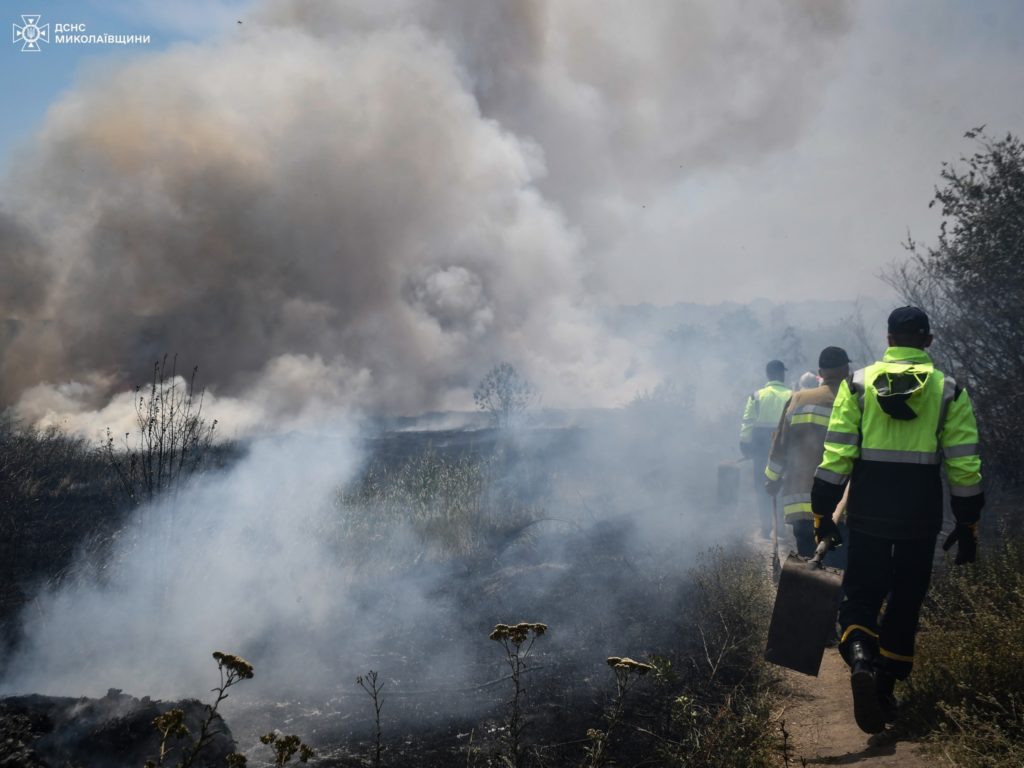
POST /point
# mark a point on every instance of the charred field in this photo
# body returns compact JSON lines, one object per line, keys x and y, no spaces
{"x":404,"y":569}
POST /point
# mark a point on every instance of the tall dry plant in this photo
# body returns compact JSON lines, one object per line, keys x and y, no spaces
{"x":518,"y":641}
{"x":171,"y":724}
{"x":627,"y":671}
{"x":373,"y":686}
{"x":173,"y":439}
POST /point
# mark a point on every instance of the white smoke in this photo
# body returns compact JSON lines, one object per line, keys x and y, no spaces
{"x":239,"y":562}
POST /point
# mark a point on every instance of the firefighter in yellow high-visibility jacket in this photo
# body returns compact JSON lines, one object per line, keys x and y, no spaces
{"x":797,"y":446}
{"x":890,"y":432}
{"x":760,"y":418}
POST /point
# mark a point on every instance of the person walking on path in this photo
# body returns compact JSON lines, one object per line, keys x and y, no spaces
{"x":798,"y":443}
{"x":760,"y":418}
{"x":890,"y":431}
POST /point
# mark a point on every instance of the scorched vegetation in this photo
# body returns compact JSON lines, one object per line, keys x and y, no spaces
{"x":501,"y":525}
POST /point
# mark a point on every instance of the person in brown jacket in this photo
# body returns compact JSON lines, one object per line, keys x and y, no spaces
{"x":798,"y":443}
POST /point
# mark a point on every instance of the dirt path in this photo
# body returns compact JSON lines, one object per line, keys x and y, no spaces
{"x":818,"y":714}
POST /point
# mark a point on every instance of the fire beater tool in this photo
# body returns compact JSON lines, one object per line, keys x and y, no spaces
{"x":776,"y":565}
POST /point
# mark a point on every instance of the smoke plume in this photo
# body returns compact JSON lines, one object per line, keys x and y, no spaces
{"x":377,"y":202}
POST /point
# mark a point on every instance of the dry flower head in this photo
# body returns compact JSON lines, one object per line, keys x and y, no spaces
{"x":172,"y":723}
{"x":517,"y":633}
{"x":626,"y":664}
{"x":285,"y":747}
{"x":235,"y":665}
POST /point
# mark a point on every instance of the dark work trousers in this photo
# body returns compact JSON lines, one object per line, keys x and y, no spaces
{"x":803,"y":532}
{"x":876,"y":569}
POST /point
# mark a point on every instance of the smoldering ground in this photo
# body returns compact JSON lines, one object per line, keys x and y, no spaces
{"x":263,"y":560}
{"x":379,"y":201}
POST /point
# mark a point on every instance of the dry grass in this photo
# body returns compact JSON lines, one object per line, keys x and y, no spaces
{"x":967,"y":689}
{"x":458,"y":506}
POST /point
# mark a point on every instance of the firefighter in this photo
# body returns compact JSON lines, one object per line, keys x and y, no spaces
{"x":890,"y":431}
{"x":796,"y":447}
{"x":760,"y":418}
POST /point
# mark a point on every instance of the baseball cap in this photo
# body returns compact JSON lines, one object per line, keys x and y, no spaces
{"x":909,"y":320}
{"x":833,"y":357}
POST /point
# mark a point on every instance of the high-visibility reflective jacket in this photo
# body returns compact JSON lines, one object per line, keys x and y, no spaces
{"x":762,"y":413}
{"x":890,"y":431}
{"x":797,"y":447}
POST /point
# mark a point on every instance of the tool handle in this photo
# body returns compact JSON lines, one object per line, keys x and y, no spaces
{"x":819,"y":554}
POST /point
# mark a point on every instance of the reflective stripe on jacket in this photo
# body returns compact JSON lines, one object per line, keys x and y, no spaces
{"x":891,"y":430}
{"x":797,"y":447}
{"x":762,"y":412}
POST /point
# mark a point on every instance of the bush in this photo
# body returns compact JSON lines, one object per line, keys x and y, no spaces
{"x":722,"y":716}
{"x":55,"y":495}
{"x":42,"y":466}
{"x":967,"y":690}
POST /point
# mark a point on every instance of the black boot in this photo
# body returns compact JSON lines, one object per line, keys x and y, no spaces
{"x":866,"y":708}
{"x":884,"y":686}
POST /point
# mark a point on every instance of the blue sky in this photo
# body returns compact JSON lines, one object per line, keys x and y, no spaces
{"x":32,"y":81}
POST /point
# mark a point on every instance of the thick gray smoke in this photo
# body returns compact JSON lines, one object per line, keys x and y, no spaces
{"x":374,"y":202}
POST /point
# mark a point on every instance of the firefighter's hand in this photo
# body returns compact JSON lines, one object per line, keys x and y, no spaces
{"x":771,"y":487}
{"x":966,"y":538}
{"x":826,"y":529}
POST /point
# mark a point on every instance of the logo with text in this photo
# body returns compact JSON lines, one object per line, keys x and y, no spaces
{"x":29,"y":33}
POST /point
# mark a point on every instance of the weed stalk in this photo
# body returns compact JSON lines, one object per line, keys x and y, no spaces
{"x":373,"y":688}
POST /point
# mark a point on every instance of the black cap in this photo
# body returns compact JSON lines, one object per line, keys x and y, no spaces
{"x":775,"y":365}
{"x":832,"y":357}
{"x":909,"y":320}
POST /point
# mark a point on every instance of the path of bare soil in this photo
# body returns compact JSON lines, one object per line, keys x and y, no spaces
{"x":818,"y":714}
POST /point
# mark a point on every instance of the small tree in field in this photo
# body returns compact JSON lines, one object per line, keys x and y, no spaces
{"x":173,"y":440}
{"x":503,"y":393}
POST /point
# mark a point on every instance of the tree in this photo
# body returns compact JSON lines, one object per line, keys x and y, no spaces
{"x":790,"y":348}
{"x":503,"y":393}
{"x":971,"y":283}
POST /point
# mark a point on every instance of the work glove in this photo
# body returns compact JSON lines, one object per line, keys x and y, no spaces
{"x":966,"y":539}
{"x":772,"y":487}
{"x":825,"y":497}
{"x":826,"y":530}
{"x":967,"y":511}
